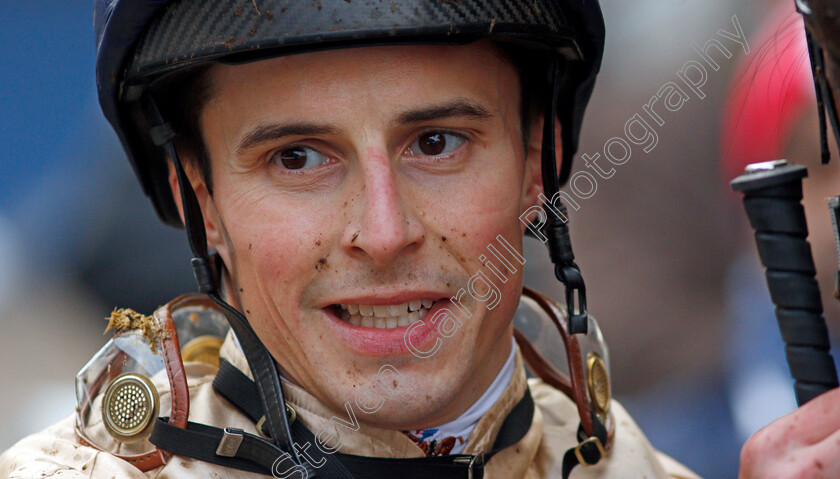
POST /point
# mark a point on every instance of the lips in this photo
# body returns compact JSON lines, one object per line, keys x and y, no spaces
{"x":384,"y":329}
{"x":384,"y":316}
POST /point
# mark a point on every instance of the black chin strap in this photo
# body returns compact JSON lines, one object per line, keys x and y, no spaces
{"x":590,"y":450}
{"x":206,"y":270}
{"x":556,"y":229}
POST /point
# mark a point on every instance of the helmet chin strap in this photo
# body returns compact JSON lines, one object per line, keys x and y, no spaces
{"x":206,"y":268}
{"x":556,"y":228}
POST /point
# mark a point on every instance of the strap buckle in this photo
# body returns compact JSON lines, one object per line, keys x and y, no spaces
{"x":571,"y":278}
{"x":587,"y":444}
{"x":290,"y":413}
{"x":261,"y":430}
{"x":230,"y":442}
{"x":471,"y":462}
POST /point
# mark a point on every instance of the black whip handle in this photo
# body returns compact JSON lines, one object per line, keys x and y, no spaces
{"x":772,"y":198}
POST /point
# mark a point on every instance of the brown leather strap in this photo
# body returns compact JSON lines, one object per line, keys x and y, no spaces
{"x":145,"y":462}
{"x":573,"y":385}
{"x":179,"y":391}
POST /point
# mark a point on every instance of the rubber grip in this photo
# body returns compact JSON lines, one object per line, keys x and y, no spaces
{"x":772,"y":199}
{"x":787,"y":253}
{"x":779,"y":215}
{"x":802,"y":327}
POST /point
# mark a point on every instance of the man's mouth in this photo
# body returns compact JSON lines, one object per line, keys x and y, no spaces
{"x":384,"y":316}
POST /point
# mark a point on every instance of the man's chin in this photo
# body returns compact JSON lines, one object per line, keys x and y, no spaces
{"x":397,"y":398}
{"x":402,"y":415}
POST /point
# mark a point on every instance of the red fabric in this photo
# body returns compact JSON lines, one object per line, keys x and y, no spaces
{"x":773,"y":87}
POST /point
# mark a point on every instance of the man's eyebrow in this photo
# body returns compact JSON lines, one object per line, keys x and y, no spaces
{"x":267,"y":132}
{"x":455,"y":108}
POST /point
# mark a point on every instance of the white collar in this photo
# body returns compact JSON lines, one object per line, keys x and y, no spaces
{"x":463,"y":425}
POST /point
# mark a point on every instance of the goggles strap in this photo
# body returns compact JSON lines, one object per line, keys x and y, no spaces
{"x":206,"y":271}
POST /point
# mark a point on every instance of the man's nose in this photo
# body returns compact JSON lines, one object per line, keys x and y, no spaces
{"x":383,"y":225}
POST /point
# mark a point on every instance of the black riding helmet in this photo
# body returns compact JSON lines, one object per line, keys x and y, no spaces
{"x":140,"y":42}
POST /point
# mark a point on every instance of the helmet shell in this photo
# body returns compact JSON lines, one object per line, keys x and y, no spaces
{"x":141,"y":41}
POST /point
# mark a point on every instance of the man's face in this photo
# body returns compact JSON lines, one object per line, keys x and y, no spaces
{"x":352,"y":187}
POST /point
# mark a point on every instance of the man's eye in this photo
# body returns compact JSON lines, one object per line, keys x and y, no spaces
{"x":299,"y":157}
{"x":435,"y":143}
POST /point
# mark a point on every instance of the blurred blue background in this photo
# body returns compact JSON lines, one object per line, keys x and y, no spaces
{"x":77,"y":237}
{"x":46,"y":69}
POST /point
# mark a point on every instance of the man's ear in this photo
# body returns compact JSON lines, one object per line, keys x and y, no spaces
{"x":212,"y":222}
{"x":533,"y":162}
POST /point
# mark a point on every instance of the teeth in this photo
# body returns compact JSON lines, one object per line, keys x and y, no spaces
{"x":385,"y":316}
{"x":387,"y":310}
